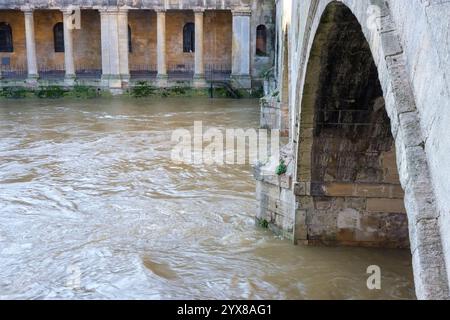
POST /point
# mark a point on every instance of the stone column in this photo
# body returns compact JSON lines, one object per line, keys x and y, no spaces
{"x":69,"y":64}
{"x":199,"y":73}
{"x":123,"y":44}
{"x":161,"y":46}
{"x":240,"y":69}
{"x":30,"y":44}
{"x":110,"y":48}
{"x":104,"y":37}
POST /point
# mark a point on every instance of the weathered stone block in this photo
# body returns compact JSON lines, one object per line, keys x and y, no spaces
{"x":386,"y":205}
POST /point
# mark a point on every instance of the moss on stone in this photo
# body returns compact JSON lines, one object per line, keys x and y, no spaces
{"x":50,"y":92}
{"x":258,"y":93}
{"x":263,"y":223}
{"x":15,"y":92}
{"x":142,"y":89}
{"x":281,"y":169}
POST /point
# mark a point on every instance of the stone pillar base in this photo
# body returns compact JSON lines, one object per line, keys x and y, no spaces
{"x":115,"y":81}
{"x":32,"y":79}
{"x":199,"y":81}
{"x":240,"y":81}
{"x":162,"y":80}
{"x":125,"y":80}
{"x":69,"y":79}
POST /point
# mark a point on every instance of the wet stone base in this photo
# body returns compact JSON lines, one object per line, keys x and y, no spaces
{"x":350,"y":221}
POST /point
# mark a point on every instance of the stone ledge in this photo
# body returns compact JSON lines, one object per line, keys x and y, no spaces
{"x":335,"y":189}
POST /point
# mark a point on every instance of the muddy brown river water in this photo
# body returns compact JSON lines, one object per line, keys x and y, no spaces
{"x":92,"y":207}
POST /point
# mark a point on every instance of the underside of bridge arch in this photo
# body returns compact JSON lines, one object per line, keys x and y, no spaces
{"x":348,"y":189}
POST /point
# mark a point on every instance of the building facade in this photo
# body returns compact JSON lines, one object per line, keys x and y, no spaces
{"x":116,"y":43}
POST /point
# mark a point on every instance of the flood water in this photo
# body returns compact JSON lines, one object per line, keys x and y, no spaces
{"x":92,"y":207}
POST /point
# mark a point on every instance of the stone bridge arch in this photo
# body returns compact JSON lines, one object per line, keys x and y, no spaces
{"x":386,"y":74}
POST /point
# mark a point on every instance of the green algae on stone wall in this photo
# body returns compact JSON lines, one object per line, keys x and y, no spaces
{"x":51,"y":92}
{"x":140,"y":89}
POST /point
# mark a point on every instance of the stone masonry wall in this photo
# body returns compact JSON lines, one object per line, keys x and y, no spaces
{"x":425,"y":30}
{"x":217,"y":38}
{"x":262,"y":14}
{"x":87,"y":46}
{"x":175,"y":22}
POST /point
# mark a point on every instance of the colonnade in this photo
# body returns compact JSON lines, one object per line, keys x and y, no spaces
{"x":114,"y":46}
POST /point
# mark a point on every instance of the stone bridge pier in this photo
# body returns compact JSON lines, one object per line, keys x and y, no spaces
{"x":363,"y":93}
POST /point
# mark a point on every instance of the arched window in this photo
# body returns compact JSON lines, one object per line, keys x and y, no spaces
{"x":6,"y":40}
{"x":189,"y":37}
{"x":261,"y":40}
{"x":130,"y":46}
{"x":58,"y":37}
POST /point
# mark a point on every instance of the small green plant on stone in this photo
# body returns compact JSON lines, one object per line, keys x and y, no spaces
{"x":264,"y":224}
{"x":281,"y":169}
{"x":142,"y":89}
{"x":50,"y":92}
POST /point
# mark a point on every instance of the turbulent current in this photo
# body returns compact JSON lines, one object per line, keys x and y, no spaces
{"x":92,"y":207}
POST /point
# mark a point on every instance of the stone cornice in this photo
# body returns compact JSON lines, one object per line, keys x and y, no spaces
{"x":132,"y":4}
{"x":69,"y":10}
{"x":27,"y":9}
{"x":113,"y":10}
